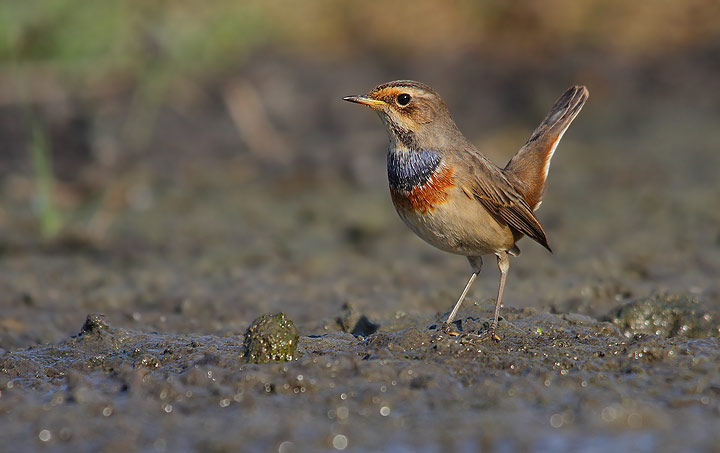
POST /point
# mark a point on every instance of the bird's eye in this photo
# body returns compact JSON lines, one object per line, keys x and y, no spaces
{"x":403,"y":99}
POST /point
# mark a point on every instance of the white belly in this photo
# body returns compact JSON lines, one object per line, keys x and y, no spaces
{"x":458,"y":225}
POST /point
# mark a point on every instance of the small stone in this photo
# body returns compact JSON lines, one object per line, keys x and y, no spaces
{"x":271,"y":338}
{"x":94,"y":323}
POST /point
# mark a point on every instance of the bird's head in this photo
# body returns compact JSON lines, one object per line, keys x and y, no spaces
{"x":415,"y":115}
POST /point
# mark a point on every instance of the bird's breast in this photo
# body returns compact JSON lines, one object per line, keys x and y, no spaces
{"x":419,"y":180}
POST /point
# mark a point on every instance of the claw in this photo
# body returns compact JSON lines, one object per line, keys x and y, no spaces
{"x":492,"y":334}
{"x":450,"y":330}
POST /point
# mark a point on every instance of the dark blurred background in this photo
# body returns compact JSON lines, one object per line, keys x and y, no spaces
{"x":175,"y":156}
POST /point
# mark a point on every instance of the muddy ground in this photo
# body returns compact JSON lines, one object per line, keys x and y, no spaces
{"x":128,"y":331}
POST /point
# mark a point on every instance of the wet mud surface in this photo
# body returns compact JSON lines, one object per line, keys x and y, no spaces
{"x":140,"y":340}
{"x":591,"y":387}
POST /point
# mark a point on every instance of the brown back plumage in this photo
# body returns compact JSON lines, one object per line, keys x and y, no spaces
{"x":528,"y":169}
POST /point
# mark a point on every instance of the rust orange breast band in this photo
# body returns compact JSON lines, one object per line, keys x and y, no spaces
{"x":425,"y":197}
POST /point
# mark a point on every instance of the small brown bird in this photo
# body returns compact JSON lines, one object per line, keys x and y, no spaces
{"x":451,"y":195}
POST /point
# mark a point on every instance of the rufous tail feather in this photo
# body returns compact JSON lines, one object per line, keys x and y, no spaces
{"x":528,"y":169}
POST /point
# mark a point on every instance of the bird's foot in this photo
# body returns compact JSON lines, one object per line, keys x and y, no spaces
{"x":475,"y":337}
{"x":493,"y":336}
{"x":492,"y":333}
{"x":450,"y":329}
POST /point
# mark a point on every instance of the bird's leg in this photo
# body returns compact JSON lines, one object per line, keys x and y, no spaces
{"x":476,"y":264}
{"x":503,"y":264}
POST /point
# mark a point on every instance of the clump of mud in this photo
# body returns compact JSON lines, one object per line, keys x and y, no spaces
{"x":271,"y":338}
{"x":356,"y":323}
{"x":668,"y":315}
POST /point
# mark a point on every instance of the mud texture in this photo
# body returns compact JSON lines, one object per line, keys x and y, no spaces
{"x":669,"y":316}
{"x":134,"y":330}
{"x":585,"y":380}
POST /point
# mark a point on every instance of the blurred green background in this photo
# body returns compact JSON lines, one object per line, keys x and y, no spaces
{"x":99,"y":99}
{"x":214,"y":133}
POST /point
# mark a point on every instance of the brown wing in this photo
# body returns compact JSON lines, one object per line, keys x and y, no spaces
{"x":492,"y":189}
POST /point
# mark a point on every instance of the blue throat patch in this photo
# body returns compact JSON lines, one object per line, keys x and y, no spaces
{"x":409,"y":169}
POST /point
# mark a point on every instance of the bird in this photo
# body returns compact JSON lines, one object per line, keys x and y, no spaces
{"x":452,"y":196}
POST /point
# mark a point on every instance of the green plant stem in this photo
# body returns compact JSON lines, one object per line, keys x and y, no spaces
{"x":50,"y":220}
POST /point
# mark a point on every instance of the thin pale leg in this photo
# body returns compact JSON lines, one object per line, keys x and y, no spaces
{"x":476,"y":264}
{"x":504,"y":265}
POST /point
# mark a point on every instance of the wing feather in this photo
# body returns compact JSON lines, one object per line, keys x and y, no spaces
{"x":493,"y":190}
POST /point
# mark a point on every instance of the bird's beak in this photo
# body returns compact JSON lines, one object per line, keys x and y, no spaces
{"x":370,"y":102}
